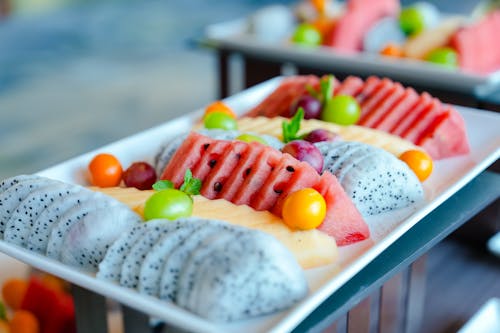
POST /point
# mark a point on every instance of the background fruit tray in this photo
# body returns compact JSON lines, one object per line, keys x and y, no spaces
{"x":233,"y":35}
{"x":449,"y":176}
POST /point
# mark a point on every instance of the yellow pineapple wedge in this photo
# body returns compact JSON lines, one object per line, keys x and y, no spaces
{"x":311,"y":248}
{"x":272,"y":126}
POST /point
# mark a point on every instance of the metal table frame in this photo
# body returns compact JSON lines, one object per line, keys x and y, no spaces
{"x":258,"y":68}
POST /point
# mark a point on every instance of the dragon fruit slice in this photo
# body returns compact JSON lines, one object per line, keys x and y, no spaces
{"x":248,"y":276}
{"x":152,"y":267}
{"x":13,"y":195}
{"x":11,"y":181}
{"x":131,"y":266}
{"x":375,"y":180}
{"x":176,"y":259}
{"x":21,"y":222}
{"x":186,"y":287}
{"x":38,"y":238}
{"x":96,"y":201}
{"x":111,"y":266}
{"x":86,"y":242}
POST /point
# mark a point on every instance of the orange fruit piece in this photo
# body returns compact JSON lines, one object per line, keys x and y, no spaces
{"x":105,"y":171}
{"x":13,"y":292}
{"x":53,"y":282}
{"x":219,"y":106}
{"x":392,"y":50}
{"x":419,"y":161}
{"x":304,"y":209}
{"x":24,"y":322}
{"x":4,"y":327}
{"x":324,"y":25}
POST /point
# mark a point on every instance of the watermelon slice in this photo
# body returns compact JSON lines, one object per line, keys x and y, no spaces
{"x":446,"y":136}
{"x":393,"y":116}
{"x":349,"y":31}
{"x":282,"y":99}
{"x":388,"y":106}
{"x":262,"y":178}
{"x":477,"y":45}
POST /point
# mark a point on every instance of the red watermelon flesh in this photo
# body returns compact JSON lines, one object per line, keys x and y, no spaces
{"x":262,"y":179}
{"x":479,"y":36}
{"x":353,"y":228}
{"x":257,"y":177}
{"x":424,"y":120}
{"x":281,"y":100}
{"x":406,"y":120}
{"x":209,"y":159}
{"x":370,"y":85}
{"x":241,"y":171}
{"x":233,"y":154}
{"x":351,"y":86}
{"x":192,"y":150}
{"x":275,"y":184}
{"x":372,"y":101}
{"x":384,"y":106}
{"x":447,"y":137}
{"x":400,"y":111}
{"x":349,"y":31}
{"x":302,"y":178}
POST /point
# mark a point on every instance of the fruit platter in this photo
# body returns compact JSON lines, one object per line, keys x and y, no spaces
{"x":247,"y":214}
{"x":416,"y":43}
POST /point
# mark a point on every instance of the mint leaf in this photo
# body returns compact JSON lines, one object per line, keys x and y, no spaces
{"x":3,"y":312}
{"x":162,"y":185}
{"x":326,"y":86}
{"x":291,"y":128}
{"x":191,"y":185}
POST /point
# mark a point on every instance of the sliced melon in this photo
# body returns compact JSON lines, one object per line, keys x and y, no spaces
{"x":311,"y":248}
{"x":272,"y":126}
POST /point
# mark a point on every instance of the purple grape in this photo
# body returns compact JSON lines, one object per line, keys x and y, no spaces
{"x":305,"y":151}
{"x":140,"y":175}
{"x":312,"y":107}
{"x":319,"y":135}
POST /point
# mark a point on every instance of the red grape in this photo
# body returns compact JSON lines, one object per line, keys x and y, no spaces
{"x":140,"y":175}
{"x":305,"y":151}
{"x":311,"y":106}
{"x":319,"y":135}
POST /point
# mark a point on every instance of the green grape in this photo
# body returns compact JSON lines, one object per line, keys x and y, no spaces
{"x":411,"y":21}
{"x":306,"y":35}
{"x":168,"y":204}
{"x":443,"y":56}
{"x":220,"y":120}
{"x":250,"y":138}
{"x":341,"y":109}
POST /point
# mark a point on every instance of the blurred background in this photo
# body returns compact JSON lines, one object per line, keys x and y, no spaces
{"x":75,"y":74}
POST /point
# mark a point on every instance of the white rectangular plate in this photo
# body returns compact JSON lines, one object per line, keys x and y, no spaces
{"x":233,"y":35}
{"x":449,"y":176}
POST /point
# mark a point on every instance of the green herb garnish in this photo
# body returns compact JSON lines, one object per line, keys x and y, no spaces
{"x":162,"y":185}
{"x":191,"y":185}
{"x":292,"y":127}
{"x":327,"y":84}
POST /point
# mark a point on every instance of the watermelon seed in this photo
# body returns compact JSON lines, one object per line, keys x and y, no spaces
{"x":206,"y":145}
{"x":212,"y":163}
{"x":290,"y":168}
{"x":217,"y":187}
{"x":247,"y":171}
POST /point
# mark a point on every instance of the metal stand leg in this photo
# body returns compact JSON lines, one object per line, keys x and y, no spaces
{"x":223,"y":63}
{"x":135,"y":321}
{"x":90,"y":310}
